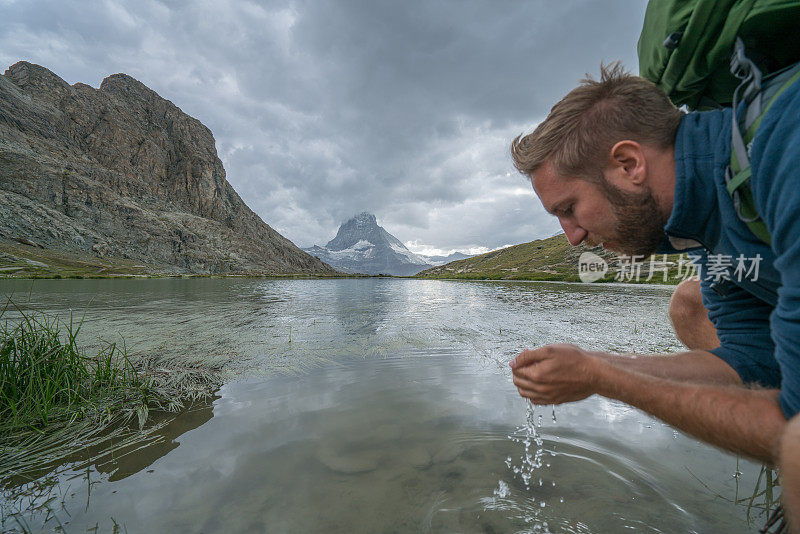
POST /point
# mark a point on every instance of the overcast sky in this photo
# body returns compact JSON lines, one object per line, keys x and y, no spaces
{"x":321,"y":110}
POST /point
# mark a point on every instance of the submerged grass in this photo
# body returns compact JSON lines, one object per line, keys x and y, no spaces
{"x":56,"y":400}
{"x":764,"y":498}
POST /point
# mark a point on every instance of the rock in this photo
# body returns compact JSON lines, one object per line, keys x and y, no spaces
{"x":101,"y":249}
{"x":388,"y":432}
{"x":448,"y":453}
{"x":419,"y":457}
{"x":347,"y":463}
{"x":34,"y":263}
{"x":26,"y":241}
{"x":122,"y":166}
{"x":473,"y":454}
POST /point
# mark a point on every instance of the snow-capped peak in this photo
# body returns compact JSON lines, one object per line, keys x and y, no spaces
{"x":362,"y":246}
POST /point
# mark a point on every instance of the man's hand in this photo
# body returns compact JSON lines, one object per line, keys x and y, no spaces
{"x":741,"y":420}
{"x":555,"y":374}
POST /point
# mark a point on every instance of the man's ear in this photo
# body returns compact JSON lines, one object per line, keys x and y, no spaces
{"x":628,"y":162}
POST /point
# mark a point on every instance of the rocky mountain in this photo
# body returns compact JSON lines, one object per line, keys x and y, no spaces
{"x":361,"y":246}
{"x":121,"y":173}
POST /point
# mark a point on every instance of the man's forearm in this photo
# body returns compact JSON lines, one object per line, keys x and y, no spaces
{"x":737,"y":419}
{"x":697,"y":366}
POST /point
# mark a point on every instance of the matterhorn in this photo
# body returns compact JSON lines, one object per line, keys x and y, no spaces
{"x":361,"y":246}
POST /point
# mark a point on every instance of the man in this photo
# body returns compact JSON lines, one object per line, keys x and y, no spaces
{"x":620,"y":166}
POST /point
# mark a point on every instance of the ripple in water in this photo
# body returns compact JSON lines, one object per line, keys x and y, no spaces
{"x":408,"y":378}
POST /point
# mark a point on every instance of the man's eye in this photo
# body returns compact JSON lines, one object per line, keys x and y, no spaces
{"x":567,"y":210}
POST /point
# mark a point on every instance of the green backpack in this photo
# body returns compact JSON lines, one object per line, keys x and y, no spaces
{"x":695,"y":51}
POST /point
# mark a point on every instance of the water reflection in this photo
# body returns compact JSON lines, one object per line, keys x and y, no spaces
{"x":293,"y":325}
{"x":381,"y":405}
{"x":139,"y":456}
{"x":33,"y":497}
{"x":362,"y":307}
{"x":407,"y":444}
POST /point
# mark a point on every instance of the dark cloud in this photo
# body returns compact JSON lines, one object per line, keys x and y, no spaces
{"x":325,"y":109}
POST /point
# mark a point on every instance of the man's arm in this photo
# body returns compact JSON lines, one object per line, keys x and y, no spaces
{"x":697,"y":366}
{"x":742,"y":420}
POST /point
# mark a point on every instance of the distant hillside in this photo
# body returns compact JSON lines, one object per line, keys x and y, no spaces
{"x":118,"y":179}
{"x":544,"y":259}
{"x":441,"y":260}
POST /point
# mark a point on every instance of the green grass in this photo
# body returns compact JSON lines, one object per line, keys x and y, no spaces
{"x":45,"y":379}
{"x":56,"y":400}
{"x":551,"y":259}
{"x":18,"y":260}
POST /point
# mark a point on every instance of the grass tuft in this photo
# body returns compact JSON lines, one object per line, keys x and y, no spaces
{"x":55,"y":399}
{"x":45,"y":379}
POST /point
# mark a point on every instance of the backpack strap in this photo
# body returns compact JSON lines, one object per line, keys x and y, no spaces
{"x":750,"y":93}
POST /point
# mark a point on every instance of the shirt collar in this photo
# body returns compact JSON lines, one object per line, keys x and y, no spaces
{"x":702,"y":150}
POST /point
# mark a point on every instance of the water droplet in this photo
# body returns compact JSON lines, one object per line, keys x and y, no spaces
{"x":533,"y":453}
{"x":502,"y":490}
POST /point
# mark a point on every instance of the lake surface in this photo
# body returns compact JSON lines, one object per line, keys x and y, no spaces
{"x":380,"y":405}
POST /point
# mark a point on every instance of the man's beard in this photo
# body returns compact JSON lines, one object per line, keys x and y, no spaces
{"x":640,"y":227}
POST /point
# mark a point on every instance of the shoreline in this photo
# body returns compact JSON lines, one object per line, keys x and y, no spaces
{"x":58,"y":276}
{"x":304,"y":276}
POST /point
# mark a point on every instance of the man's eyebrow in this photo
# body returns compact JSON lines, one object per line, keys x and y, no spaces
{"x":558,"y":206}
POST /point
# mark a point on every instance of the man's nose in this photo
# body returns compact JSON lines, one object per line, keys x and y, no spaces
{"x":575,"y":234}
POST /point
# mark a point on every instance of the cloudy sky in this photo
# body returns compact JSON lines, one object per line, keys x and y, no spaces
{"x":323,"y":109}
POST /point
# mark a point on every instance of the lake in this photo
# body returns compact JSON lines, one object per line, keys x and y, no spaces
{"x":379,"y":405}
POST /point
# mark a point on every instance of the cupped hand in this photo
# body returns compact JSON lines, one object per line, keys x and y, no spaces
{"x":555,"y":374}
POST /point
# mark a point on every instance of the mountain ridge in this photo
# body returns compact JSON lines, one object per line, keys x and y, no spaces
{"x":441,"y":260}
{"x":120,"y":172}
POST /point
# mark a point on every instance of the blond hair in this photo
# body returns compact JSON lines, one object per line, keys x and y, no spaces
{"x":578,"y":134}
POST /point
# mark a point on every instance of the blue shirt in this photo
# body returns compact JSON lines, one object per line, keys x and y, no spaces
{"x":757,"y":318}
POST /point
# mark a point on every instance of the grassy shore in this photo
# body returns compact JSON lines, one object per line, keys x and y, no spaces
{"x":55,"y":399}
{"x":551,"y":259}
{"x":26,"y":261}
